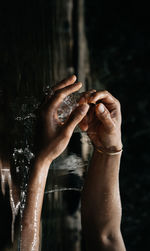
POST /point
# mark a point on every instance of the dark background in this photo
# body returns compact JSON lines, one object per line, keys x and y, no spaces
{"x":118,"y":37}
{"x":119,"y":42}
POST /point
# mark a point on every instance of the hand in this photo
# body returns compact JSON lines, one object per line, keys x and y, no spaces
{"x":103,"y":121}
{"x":55,"y":135}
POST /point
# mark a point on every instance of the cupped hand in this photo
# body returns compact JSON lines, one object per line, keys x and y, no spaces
{"x":52,"y":135}
{"x":103,"y":120}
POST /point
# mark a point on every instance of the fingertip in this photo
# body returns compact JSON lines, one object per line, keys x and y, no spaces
{"x":73,"y":78}
{"x":101,"y":108}
{"x":104,"y":116}
{"x":79,"y":83}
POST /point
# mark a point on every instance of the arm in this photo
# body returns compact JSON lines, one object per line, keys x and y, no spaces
{"x":30,"y":222}
{"x":55,"y":137}
{"x":101,"y":207}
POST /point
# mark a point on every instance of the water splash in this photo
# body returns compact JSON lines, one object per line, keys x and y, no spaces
{"x":24,"y":119}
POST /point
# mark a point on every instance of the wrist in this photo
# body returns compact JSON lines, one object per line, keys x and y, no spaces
{"x":99,"y":155}
{"x":42,"y":161}
{"x":111,"y":142}
{"x":109,"y":147}
{"x":110,"y":152}
{"x":113,"y":149}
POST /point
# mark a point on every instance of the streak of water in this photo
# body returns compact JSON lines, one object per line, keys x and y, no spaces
{"x":15,"y":204}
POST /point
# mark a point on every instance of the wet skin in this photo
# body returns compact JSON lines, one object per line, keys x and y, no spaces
{"x":101,"y":207}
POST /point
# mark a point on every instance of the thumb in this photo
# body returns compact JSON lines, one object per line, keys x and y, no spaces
{"x":75,"y":118}
{"x":104,"y":116}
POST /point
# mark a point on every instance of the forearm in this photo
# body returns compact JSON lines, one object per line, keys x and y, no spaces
{"x":54,"y":140}
{"x":101,"y":207}
{"x":32,"y":213}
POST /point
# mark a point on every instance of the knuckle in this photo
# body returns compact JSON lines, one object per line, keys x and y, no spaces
{"x":118,"y":103}
{"x":106,"y":92}
{"x":106,"y":114}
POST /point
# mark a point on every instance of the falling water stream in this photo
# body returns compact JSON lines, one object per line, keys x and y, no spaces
{"x":15,"y":204}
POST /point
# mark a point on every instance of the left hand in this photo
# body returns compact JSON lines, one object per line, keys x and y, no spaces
{"x":53,"y":136}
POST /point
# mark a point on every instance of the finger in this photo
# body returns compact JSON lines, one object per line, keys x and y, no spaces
{"x":84,"y":124}
{"x":109,"y":101}
{"x":76,"y":116}
{"x":104,"y":96}
{"x":64,"y":83}
{"x":60,"y":85}
{"x":104,"y":116}
{"x":85,"y":96}
{"x":60,"y":94}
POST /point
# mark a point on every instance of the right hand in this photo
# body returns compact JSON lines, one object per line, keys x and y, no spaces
{"x":53,"y":136}
{"x":103,"y":121}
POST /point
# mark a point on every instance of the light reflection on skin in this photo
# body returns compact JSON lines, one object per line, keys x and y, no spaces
{"x":35,"y":220}
{"x":36,"y":215}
